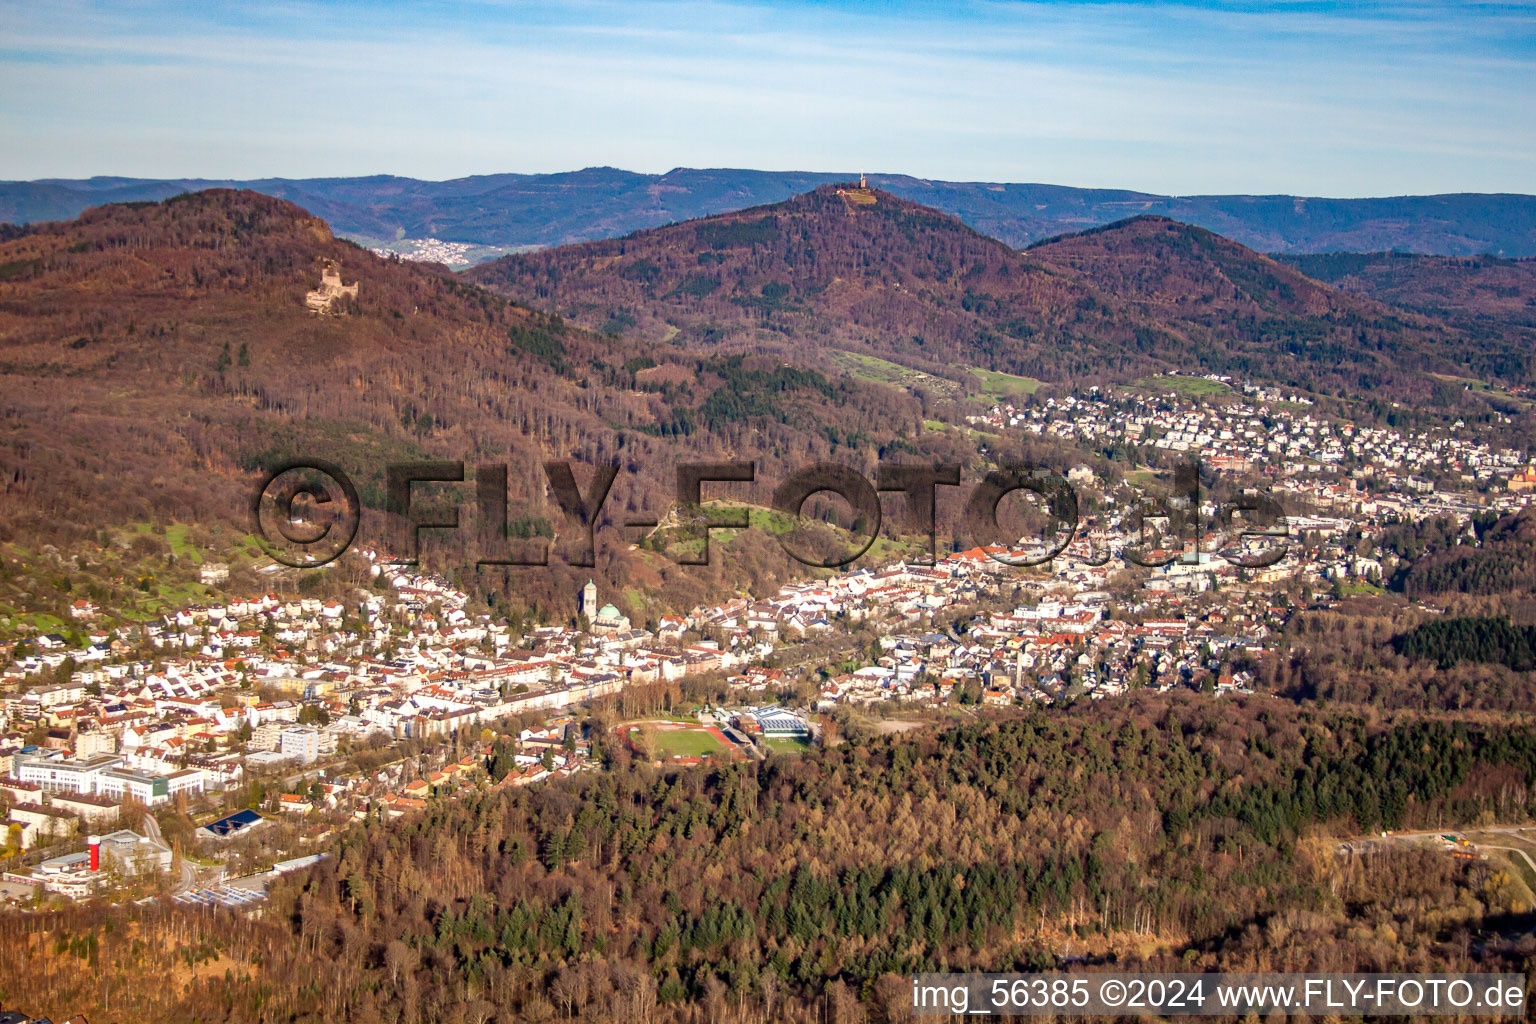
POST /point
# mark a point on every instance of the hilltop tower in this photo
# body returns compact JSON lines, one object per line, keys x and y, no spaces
{"x":856,"y":197}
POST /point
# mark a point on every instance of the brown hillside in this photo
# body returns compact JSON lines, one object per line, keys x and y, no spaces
{"x":890,"y":277}
{"x":1492,"y":300}
{"x":1255,"y":316}
{"x":155,"y":357}
{"x":899,"y":280}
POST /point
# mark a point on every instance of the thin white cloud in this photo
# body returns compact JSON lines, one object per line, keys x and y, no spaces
{"x":1179,"y":99}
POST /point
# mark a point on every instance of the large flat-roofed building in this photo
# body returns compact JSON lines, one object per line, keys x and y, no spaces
{"x":187,"y":780}
{"x":65,"y":775}
{"x":266,"y":736}
{"x":150,"y":789}
{"x":776,"y":722}
{"x":267,"y":760}
{"x":107,"y":776}
{"x":69,"y":875}
{"x":123,"y":783}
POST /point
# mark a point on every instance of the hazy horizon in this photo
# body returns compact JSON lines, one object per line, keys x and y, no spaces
{"x":872,"y":174}
{"x":1317,"y":99}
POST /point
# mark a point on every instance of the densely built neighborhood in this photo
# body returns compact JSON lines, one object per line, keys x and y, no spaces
{"x":259,"y":700}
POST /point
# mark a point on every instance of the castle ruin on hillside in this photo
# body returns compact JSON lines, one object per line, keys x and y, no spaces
{"x":330,"y":291}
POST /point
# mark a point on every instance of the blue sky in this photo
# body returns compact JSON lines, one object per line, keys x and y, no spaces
{"x":1301,"y":97}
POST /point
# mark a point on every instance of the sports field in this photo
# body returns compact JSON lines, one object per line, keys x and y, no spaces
{"x":676,"y":739}
{"x":688,"y":743}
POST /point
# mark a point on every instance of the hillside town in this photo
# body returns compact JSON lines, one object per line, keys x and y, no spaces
{"x":1275,"y":433}
{"x":250,"y":706}
{"x":435,"y":250}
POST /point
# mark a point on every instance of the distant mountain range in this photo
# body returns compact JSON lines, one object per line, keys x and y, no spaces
{"x":604,"y":202}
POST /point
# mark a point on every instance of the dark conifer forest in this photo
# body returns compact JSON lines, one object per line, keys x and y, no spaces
{"x":806,"y":889}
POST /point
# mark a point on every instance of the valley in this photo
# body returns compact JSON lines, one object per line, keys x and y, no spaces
{"x":627,"y":738}
{"x":485,"y":539}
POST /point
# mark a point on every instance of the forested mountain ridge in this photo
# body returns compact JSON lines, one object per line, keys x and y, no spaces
{"x":816,"y":270}
{"x":1153,"y":833}
{"x":1484,"y":286}
{"x":155,"y":357}
{"x":1492,"y":300}
{"x":831,"y":270}
{"x":1263,"y":307}
{"x":601,"y":202}
{"x":174,"y":340}
{"x":1152,"y":259}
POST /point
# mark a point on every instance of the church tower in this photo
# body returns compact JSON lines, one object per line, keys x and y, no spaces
{"x":589,"y":600}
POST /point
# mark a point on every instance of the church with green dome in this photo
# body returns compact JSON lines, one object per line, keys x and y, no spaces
{"x":607,"y":619}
